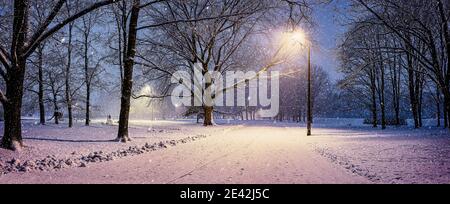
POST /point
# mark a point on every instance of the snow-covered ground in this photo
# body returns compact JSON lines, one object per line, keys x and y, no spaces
{"x":55,"y":144}
{"x":340,"y":151}
{"x":388,"y":156}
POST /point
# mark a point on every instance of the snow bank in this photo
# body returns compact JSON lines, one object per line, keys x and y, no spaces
{"x":53,"y":147}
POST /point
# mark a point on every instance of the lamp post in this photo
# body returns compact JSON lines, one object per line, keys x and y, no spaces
{"x":299,"y":36}
{"x":309,"y":117}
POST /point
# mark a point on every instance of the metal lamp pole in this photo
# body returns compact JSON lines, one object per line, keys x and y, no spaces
{"x":309,"y":117}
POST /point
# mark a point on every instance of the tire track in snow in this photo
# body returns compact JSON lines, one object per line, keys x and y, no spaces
{"x":237,"y":149}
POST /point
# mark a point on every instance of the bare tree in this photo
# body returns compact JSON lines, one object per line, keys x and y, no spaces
{"x":54,"y":72}
{"x":359,"y":66}
{"x":214,"y":42}
{"x":423,"y":28}
{"x":68,"y":73}
{"x":23,"y":43}
{"x":178,"y":19}
{"x":127,"y":83}
{"x":33,"y":78}
{"x":405,"y":44}
{"x":89,"y":38}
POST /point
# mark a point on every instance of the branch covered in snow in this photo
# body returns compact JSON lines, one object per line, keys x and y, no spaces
{"x":4,"y":58}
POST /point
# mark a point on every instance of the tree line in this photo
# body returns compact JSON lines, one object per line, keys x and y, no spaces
{"x":61,"y":51}
{"x":395,"y":59}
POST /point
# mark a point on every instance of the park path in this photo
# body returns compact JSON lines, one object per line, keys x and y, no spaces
{"x":249,"y":154}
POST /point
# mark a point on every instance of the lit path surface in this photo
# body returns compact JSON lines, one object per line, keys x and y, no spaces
{"x":262,"y":155}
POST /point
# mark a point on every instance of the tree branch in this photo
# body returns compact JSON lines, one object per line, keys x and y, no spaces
{"x":3,"y":98}
{"x":398,"y":33}
{"x":193,"y":20}
{"x":47,"y":21}
{"x":4,"y":53}
{"x":4,"y":61}
{"x":33,"y":45}
{"x":150,"y":96}
{"x":151,"y":3}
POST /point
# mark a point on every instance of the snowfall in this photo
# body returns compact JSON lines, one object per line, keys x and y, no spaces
{"x":262,"y":152}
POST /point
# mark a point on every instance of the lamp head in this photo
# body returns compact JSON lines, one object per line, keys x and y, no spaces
{"x":298,"y":36}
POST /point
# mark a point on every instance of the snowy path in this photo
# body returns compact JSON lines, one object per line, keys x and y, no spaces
{"x":240,"y":155}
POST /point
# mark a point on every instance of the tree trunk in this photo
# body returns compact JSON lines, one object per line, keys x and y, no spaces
{"x":374,"y":103}
{"x":445,"y":27}
{"x":12,"y":138}
{"x":382,"y":101}
{"x":445,"y":117}
{"x":56,"y":108}
{"x":397,"y":114}
{"x":412,"y":91}
{"x":381,"y":84}
{"x":70,"y":113}
{"x":396,"y":101}
{"x":438,"y":107}
{"x":447,"y":107}
{"x":300,"y":115}
{"x":124,"y":37}
{"x":41,"y":86}
{"x":86,"y":78}
{"x":419,"y":103}
{"x":67,"y":78}
{"x":127,"y":84}
{"x":446,"y":113}
{"x":88,"y":105}
{"x":246,"y":113}
{"x":209,"y":113}
{"x":396,"y":89}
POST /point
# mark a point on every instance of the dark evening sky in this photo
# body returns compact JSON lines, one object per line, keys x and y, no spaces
{"x":327,"y":34}
{"x":329,"y":29}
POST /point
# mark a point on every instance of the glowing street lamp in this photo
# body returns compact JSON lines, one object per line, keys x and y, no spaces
{"x":298,"y":36}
